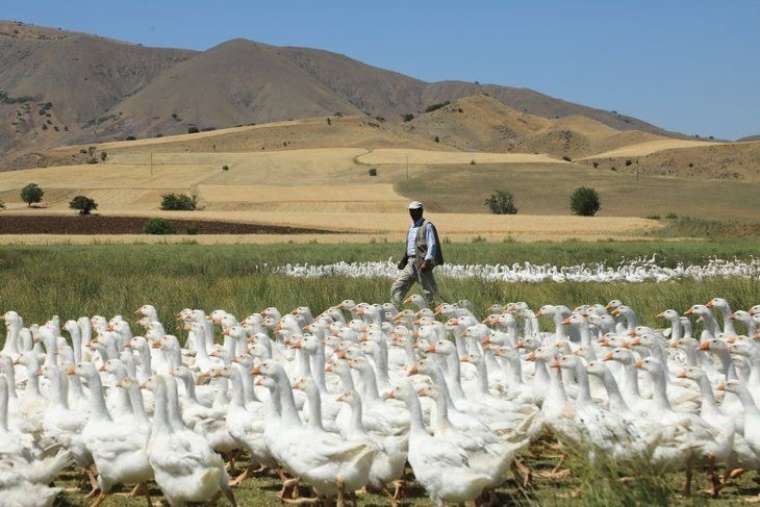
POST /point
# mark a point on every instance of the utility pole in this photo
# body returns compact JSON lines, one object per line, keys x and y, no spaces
{"x":407,"y":166}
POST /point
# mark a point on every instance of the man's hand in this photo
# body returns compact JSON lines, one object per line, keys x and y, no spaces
{"x":424,"y":266}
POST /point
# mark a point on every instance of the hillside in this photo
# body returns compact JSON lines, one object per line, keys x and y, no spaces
{"x":731,"y":161}
{"x":59,"y":87}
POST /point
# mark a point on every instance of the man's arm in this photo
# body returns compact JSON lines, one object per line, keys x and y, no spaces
{"x":431,"y":244}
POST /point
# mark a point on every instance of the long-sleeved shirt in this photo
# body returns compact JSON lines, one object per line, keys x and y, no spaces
{"x":411,"y":239}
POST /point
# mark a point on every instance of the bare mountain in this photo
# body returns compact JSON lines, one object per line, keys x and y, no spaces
{"x":62,"y":87}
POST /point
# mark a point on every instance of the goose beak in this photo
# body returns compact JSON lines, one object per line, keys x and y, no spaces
{"x":710,"y":304}
{"x":520,"y":344}
{"x":690,"y":311}
{"x":639,"y":364}
{"x":486,"y":340}
{"x":531,"y":356}
{"x":412,"y":370}
{"x":342,"y":396}
{"x":430,"y":349}
{"x":704,"y":346}
{"x":389,"y":395}
{"x":566,"y":322}
{"x":608,"y":306}
{"x":554,"y":364}
{"x":660,"y":315}
{"x":681,"y":374}
{"x":71,"y":370}
{"x":609,"y":357}
{"x":256,"y":370}
{"x":616,"y":312}
{"x":721,"y":387}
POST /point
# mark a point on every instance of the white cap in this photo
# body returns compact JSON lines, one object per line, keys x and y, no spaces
{"x":415,"y":205}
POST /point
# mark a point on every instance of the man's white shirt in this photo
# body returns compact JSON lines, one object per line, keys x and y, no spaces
{"x":411,"y":239}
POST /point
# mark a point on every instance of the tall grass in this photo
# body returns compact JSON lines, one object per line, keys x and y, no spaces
{"x":72,"y":281}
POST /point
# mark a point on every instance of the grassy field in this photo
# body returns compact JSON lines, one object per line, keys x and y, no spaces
{"x":546,"y":189}
{"x":83,"y":280}
{"x":107,"y":279}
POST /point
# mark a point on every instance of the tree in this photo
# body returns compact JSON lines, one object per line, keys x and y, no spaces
{"x":585,"y":202}
{"x":32,"y":194}
{"x":407,"y":117}
{"x":84,"y":204}
{"x":501,"y":203}
{"x":177,"y":202}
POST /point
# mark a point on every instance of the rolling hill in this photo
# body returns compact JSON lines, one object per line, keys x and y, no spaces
{"x":59,"y":87}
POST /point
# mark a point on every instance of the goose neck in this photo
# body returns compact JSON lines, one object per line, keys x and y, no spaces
{"x":288,"y":411}
{"x":161,"y":424}
{"x":97,"y":400}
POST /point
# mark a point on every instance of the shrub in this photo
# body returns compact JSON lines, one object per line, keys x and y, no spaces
{"x":32,"y":194}
{"x":92,"y":160}
{"x":177,"y":202}
{"x":671,"y":216}
{"x":83,"y":151}
{"x":2,"y":205}
{"x":653,"y":217}
{"x":407,"y":117}
{"x":192,"y":230}
{"x":84,"y":204}
{"x":158,"y":226}
{"x":192,"y":130}
{"x":225,"y":168}
{"x":595,"y":164}
{"x":131,"y":138}
{"x":103,"y":156}
{"x":585,"y":202}
{"x":437,"y":139}
{"x":501,"y":203}
{"x":380,"y":118}
{"x":472,"y":162}
{"x":628,"y":162}
{"x":329,"y":122}
{"x":439,"y":105}
{"x":373,"y":172}
{"x":567,"y":159}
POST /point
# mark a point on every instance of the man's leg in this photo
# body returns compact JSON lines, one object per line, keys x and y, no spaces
{"x":403,"y":283}
{"x":429,"y":287}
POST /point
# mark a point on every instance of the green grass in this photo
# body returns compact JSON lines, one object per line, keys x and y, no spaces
{"x":546,"y":189}
{"x":108,"y":279}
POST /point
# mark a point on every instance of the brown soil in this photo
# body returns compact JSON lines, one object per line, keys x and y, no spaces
{"x":95,"y":224}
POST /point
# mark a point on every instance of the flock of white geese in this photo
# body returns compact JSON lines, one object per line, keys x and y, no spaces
{"x":343,"y":400}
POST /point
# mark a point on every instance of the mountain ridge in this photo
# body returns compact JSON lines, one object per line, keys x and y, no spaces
{"x":63,"y":87}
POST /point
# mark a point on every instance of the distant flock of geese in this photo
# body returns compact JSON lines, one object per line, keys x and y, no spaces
{"x":349,"y":399}
{"x":644,"y":269}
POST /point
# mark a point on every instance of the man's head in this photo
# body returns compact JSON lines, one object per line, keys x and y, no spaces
{"x":415,"y":210}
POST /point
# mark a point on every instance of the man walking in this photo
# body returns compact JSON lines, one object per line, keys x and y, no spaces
{"x":422,"y":254}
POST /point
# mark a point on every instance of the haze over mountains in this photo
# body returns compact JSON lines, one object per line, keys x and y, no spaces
{"x":59,"y":87}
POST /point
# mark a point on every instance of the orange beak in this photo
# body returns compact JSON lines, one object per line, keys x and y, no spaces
{"x":609,"y":357}
{"x":531,"y":356}
{"x":554,"y":364}
{"x":412,"y":370}
{"x":256,"y":370}
{"x":639,"y":363}
{"x":566,"y":322}
{"x":681,"y":374}
{"x":704,"y":346}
